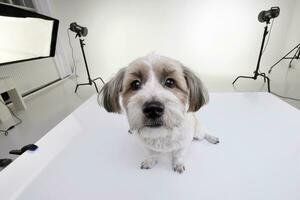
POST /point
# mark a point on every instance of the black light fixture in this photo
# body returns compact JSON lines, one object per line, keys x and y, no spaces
{"x":263,"y":17}
{"x":267,"y":15}
{"x":82,"y":32}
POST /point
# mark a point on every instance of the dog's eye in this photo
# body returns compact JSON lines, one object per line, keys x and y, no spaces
{"x":135,"y":85}
{"x":170,"y":83}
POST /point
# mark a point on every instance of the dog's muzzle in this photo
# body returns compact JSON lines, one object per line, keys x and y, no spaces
{"x":153,"y":111}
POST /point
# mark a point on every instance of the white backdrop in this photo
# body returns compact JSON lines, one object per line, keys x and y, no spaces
{"x":214,"y":37}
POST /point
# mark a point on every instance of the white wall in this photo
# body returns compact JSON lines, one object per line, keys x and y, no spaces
{"x":32,"y":74}
{"x":212,"y":36}
{"x":294,"y":30}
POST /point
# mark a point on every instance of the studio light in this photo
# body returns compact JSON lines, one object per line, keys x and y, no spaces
{"x":263,"y":17}
{"x":79,"y":30}
{"x":82,"y":32}
{"x":267,"y":15}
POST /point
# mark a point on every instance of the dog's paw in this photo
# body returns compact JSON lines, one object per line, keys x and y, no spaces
{"x":180,"y":168}
{"x":197,"y":138}
{"x":148,"y":163}
{"x":215,"y":140}
{"x":212,"y":139}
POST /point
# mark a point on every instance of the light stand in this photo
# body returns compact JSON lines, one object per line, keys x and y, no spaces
{"x":90,"y":81}
{"x":256,"y":72}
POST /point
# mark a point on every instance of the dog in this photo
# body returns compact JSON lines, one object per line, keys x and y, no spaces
{"x":159,"y":96}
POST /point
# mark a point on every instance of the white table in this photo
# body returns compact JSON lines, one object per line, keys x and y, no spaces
{"x":90,"y":155}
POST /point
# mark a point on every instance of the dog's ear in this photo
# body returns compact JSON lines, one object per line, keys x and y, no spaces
{"x":110,"y":92}
{"x":198,"y":95}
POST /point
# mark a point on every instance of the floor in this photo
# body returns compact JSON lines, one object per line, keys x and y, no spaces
{"x":46,"y":109}
{"x":95,"y":158}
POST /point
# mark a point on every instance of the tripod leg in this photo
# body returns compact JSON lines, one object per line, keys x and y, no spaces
{"x":81,"y":85}
{"x":241,"y":77}
{"x":269,"y":89}
{"x":100,"y":79}
{"x":96,"y":86}
{"x":76,"y":88}
{"x":266,"y":78}
{"x":235,"y":80}
{"x":298,"y":56}
{"x":295,"y":56}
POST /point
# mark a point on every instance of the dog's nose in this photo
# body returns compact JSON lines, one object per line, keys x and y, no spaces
{"x":153,"y":109}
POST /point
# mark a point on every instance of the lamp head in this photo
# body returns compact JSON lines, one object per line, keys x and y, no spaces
{"x":267,"y":15}
{"x":80,"y":30}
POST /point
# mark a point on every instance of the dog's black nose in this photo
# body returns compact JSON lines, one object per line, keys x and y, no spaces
{"x":153,"y":109}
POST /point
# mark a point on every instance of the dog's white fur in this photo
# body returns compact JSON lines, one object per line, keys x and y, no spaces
{"x":179,"y":127}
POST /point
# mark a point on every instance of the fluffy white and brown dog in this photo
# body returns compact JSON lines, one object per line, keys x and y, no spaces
{"x":159,"y":96}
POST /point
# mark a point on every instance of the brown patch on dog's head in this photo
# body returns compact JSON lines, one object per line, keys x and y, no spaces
{"x":198,"y":95}
{"x":109,"y":94}
{"x":166,"y":68}
{"x":137,"y":70}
